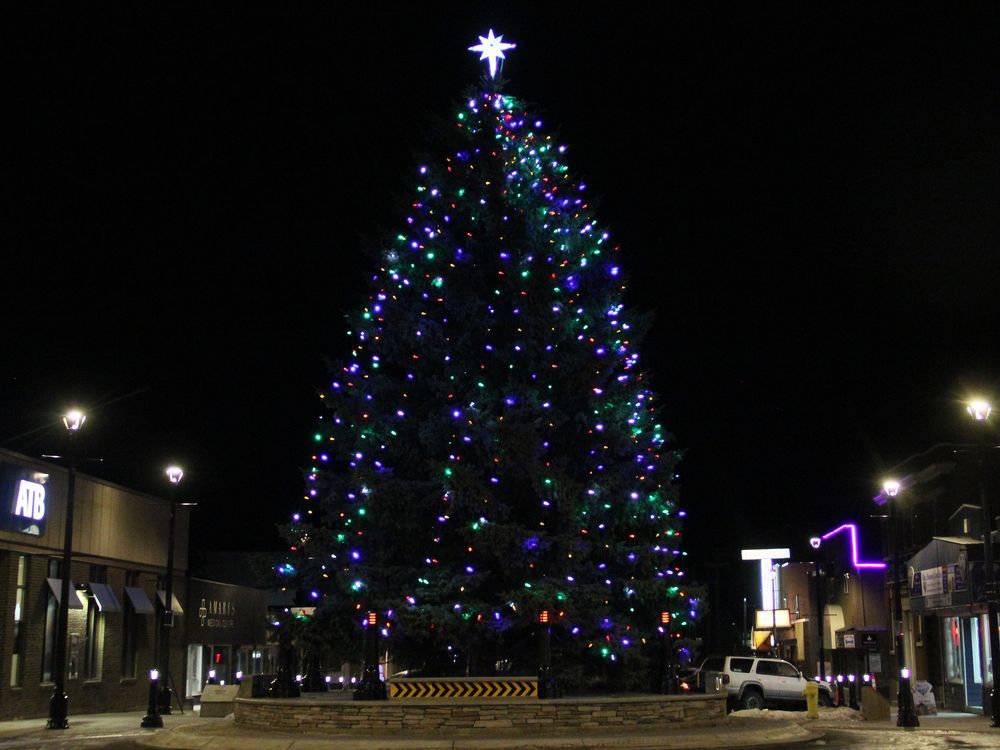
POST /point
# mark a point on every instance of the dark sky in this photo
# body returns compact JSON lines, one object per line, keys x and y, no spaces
{"x":807,"y":197}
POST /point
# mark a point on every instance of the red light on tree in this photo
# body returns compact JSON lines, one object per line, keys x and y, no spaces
{"x":543,"y":616}
{"x":664,"y":618}
{"x":373,"y":618}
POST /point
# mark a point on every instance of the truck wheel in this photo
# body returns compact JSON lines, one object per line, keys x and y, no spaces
{"x":752,"y":698}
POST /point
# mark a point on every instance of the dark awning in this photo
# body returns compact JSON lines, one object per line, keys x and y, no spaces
{"x":106,"y":599}
{"x":176,"y":609}
{"x":55,"y":584}
{"x":140,"y":600}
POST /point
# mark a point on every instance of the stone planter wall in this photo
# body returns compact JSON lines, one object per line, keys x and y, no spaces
{"x":473,"y":717}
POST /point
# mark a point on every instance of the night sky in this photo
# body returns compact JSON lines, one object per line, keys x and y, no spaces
{"x":807,"y":199}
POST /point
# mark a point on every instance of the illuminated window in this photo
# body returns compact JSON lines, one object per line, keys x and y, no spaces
{"x":94,"y":638}
{"x":984,"y":630}
{"x":17,"y":654}
{"x":952,"y":641}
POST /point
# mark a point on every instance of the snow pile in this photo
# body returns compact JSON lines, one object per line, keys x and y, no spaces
{"x":767,"y":714}
{"x":840,"y":714}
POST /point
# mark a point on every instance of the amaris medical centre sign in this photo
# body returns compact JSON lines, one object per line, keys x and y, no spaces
{"x":24,"y":499}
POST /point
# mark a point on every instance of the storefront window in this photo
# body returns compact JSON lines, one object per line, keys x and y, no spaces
{"x":984,"y":630}
{"x":130,"y":625}
{"x":94,"y":637}
{"x":952,"y":649}
{"x":18,"y":639}
{"x":976,"y":673}
{"x":51,"y":613}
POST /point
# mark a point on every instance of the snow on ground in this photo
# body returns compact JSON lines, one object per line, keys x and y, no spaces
{"x":828,"y":714}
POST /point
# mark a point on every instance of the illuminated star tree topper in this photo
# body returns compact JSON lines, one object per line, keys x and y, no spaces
{"x":492,"y":48}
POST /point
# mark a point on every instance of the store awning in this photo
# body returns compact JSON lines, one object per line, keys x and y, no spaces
{"x":176,"y":609}
{"x":140,"y":600}
{"x":106,"y":599}
{"x":55,"y":584}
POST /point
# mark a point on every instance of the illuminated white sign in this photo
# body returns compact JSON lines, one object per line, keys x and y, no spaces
{"x":770,"y":585}
{"x":772,"y":618}
{"x":30,"y":501}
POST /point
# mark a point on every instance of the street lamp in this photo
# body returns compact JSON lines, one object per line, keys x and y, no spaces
{"x":174,"y":474}
{"x":906,"y":715}
{"x":820,"y":575}
{"x":980,"y":411}
{"x":59,"y":703}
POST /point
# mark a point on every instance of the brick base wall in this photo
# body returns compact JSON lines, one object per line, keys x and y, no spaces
{"x":564,"y":715}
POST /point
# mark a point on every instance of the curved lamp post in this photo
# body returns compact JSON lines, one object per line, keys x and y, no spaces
{"x":980,"y":412}
{"x":906,"y":715}
{"x":59,"y":703}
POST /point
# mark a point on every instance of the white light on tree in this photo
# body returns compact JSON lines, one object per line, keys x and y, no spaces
{"x":492,"y":48}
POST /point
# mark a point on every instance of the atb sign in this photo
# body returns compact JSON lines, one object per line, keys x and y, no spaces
{"x":25,"y":499}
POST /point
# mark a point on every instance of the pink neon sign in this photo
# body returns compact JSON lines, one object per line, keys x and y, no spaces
{"x":852,"y":530}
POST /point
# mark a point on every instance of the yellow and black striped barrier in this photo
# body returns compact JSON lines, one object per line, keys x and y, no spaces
{"x":463,"y":687}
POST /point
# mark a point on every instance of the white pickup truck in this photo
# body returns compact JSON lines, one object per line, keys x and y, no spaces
{"x":757,"y":681}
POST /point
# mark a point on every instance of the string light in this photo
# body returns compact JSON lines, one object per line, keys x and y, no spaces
{"x":494,"y":371}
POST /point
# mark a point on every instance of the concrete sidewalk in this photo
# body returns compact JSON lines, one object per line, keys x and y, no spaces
{"x":191,"y":732}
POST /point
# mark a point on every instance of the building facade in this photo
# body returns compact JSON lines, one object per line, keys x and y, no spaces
{"x":941,"y":527}
{"x":118,"y":567}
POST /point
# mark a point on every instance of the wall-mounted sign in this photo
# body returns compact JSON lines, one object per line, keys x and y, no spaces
{"x":220,"y":613}
{"x":25,"y":501}
{"x":939,"y":580}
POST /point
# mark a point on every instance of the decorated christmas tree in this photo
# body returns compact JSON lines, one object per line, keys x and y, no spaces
{"x":490,"y":447}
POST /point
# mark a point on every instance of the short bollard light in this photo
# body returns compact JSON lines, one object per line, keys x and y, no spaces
{"x":152,"y":719}
{"x":840,"y":690}
{"x":906,"y":715}
{"x":211,"y":677}
{"x":852,"y":692}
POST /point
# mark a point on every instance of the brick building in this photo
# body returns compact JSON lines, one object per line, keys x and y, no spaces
{"x":119,"y":562}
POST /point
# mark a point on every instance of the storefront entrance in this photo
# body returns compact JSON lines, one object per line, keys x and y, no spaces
{"x":972,"y":657}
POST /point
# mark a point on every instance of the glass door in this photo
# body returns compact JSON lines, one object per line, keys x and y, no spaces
{"x":972,"y":662}
{"x":194,"y":671}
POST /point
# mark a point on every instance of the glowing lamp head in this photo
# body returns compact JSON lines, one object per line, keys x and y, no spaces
{"x":867,"y":678}
{"x":543,"y":617}
{"x":840,"y":678}
{"x":154,"y":674}
{"x":373,"y":618}
{"x":850,"y":678}
{"x":979,"y":410}
{"x":891,"y":487}
{"x":175,"y":474}
{"x":904,"y":673}
{"x":815,"y":542}
{"x":73,"y":420}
